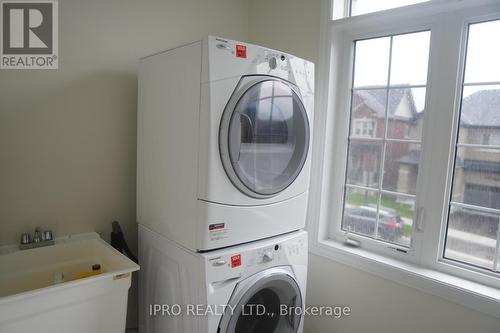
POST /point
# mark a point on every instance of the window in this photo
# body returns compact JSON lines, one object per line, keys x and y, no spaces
{"x":486,"y":138}
{"x":408,"y":145}
{"x":473,"y":233}
{"x":364,"y":127}
{"x":359,"y":7}
{"x":389,"y":83}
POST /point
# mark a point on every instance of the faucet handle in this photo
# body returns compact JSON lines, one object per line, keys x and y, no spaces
{"x":40,"y":233}
{"x":37,"y":237}
{"x":26,"y":238}
{"x":40,"y":238}
{"x":47,"y":235}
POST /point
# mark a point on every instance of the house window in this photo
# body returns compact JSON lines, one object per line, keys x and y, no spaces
{"x":389,"y":83}
{"x":473,"y":232}
{"x":486,"y":138}
{"x":364,"y":127}
{"x":359,"y":7}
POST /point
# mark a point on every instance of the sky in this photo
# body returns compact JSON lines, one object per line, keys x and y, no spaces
{"x":410,"y":58}
{"x":483,"y":56}
{"x":368,"y":6}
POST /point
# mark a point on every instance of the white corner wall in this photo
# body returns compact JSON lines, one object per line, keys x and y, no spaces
{"x":377,"y":305}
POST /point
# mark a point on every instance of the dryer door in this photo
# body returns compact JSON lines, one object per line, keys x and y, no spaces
{"x":264,"y":136}
{"x":270,"y":302}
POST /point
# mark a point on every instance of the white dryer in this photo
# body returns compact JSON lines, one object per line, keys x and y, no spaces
{"x":224,"y":138}
{"x":251,"y":288}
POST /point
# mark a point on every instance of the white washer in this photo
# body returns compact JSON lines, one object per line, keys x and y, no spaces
{"x":269,"y":275}
{"x":224,"y":140}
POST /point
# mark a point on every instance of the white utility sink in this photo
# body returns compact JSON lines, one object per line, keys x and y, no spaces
{"x":31,"y":301}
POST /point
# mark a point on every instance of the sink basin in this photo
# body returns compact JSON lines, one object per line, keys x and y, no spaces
{"x":30,"y":300}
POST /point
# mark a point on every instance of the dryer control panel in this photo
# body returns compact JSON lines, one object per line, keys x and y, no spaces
{"x":230,"y":58}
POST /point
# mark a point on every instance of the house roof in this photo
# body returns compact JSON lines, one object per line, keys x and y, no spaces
{"x":481,"y":109}
{"x":375,"y":99}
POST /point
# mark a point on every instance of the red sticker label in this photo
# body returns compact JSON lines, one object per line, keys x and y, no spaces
{"x":216,"y":226}
{"x":241,"y":51}
{"x":236,"y":261}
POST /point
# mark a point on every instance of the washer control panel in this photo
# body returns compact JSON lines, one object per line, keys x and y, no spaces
{"x":242,"y":260}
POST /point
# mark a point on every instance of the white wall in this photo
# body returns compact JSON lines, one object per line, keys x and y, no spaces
{"x":68,"y":137}
{"x":378,"y":305}
{"x":287,"y":25}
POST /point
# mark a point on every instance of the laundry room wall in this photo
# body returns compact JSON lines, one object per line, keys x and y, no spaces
{"x":68,"y":136}
{"x":377,"y":304}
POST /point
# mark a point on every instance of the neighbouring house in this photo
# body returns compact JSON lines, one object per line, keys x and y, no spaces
{"x":477,"y":172}
{"x":368,"y":127}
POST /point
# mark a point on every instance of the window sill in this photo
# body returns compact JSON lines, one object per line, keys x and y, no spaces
{"x":467,"y":293}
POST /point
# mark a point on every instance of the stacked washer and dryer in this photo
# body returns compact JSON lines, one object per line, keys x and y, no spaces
{"x":224,"y":138}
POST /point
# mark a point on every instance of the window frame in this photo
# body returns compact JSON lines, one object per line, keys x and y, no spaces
{"x":341,"y":9}
{"x":349,"y":7}
{"x":342,"y":128}
{"x":393,"y":248}
{"x":425,"y":259}
{"x":443,"y":263}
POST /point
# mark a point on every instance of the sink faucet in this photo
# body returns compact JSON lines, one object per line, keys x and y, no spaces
{"x":40,"y":238}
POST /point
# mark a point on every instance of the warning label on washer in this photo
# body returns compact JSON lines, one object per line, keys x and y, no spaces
{"x":217,"y":231}
{"x":216,"y":226}
{"x":241,"y":51}
{"x":236,"y":261}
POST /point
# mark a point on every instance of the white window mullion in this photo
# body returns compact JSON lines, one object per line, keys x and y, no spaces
{"x":384,"y":143}
{"x":336,"y":134}
{"x":340,"y":8}
{"x":341,"y":131}
{"x":444,"y":74}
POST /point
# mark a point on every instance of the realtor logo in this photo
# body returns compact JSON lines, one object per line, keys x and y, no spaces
{"x":29,"y":36}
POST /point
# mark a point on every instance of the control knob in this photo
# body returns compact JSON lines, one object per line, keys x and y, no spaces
{"x":268,"y":256}
{"x":273,"y":63}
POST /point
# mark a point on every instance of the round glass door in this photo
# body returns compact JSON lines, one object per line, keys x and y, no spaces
{"x":272,"y":305}
{"x":264,"y":136}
